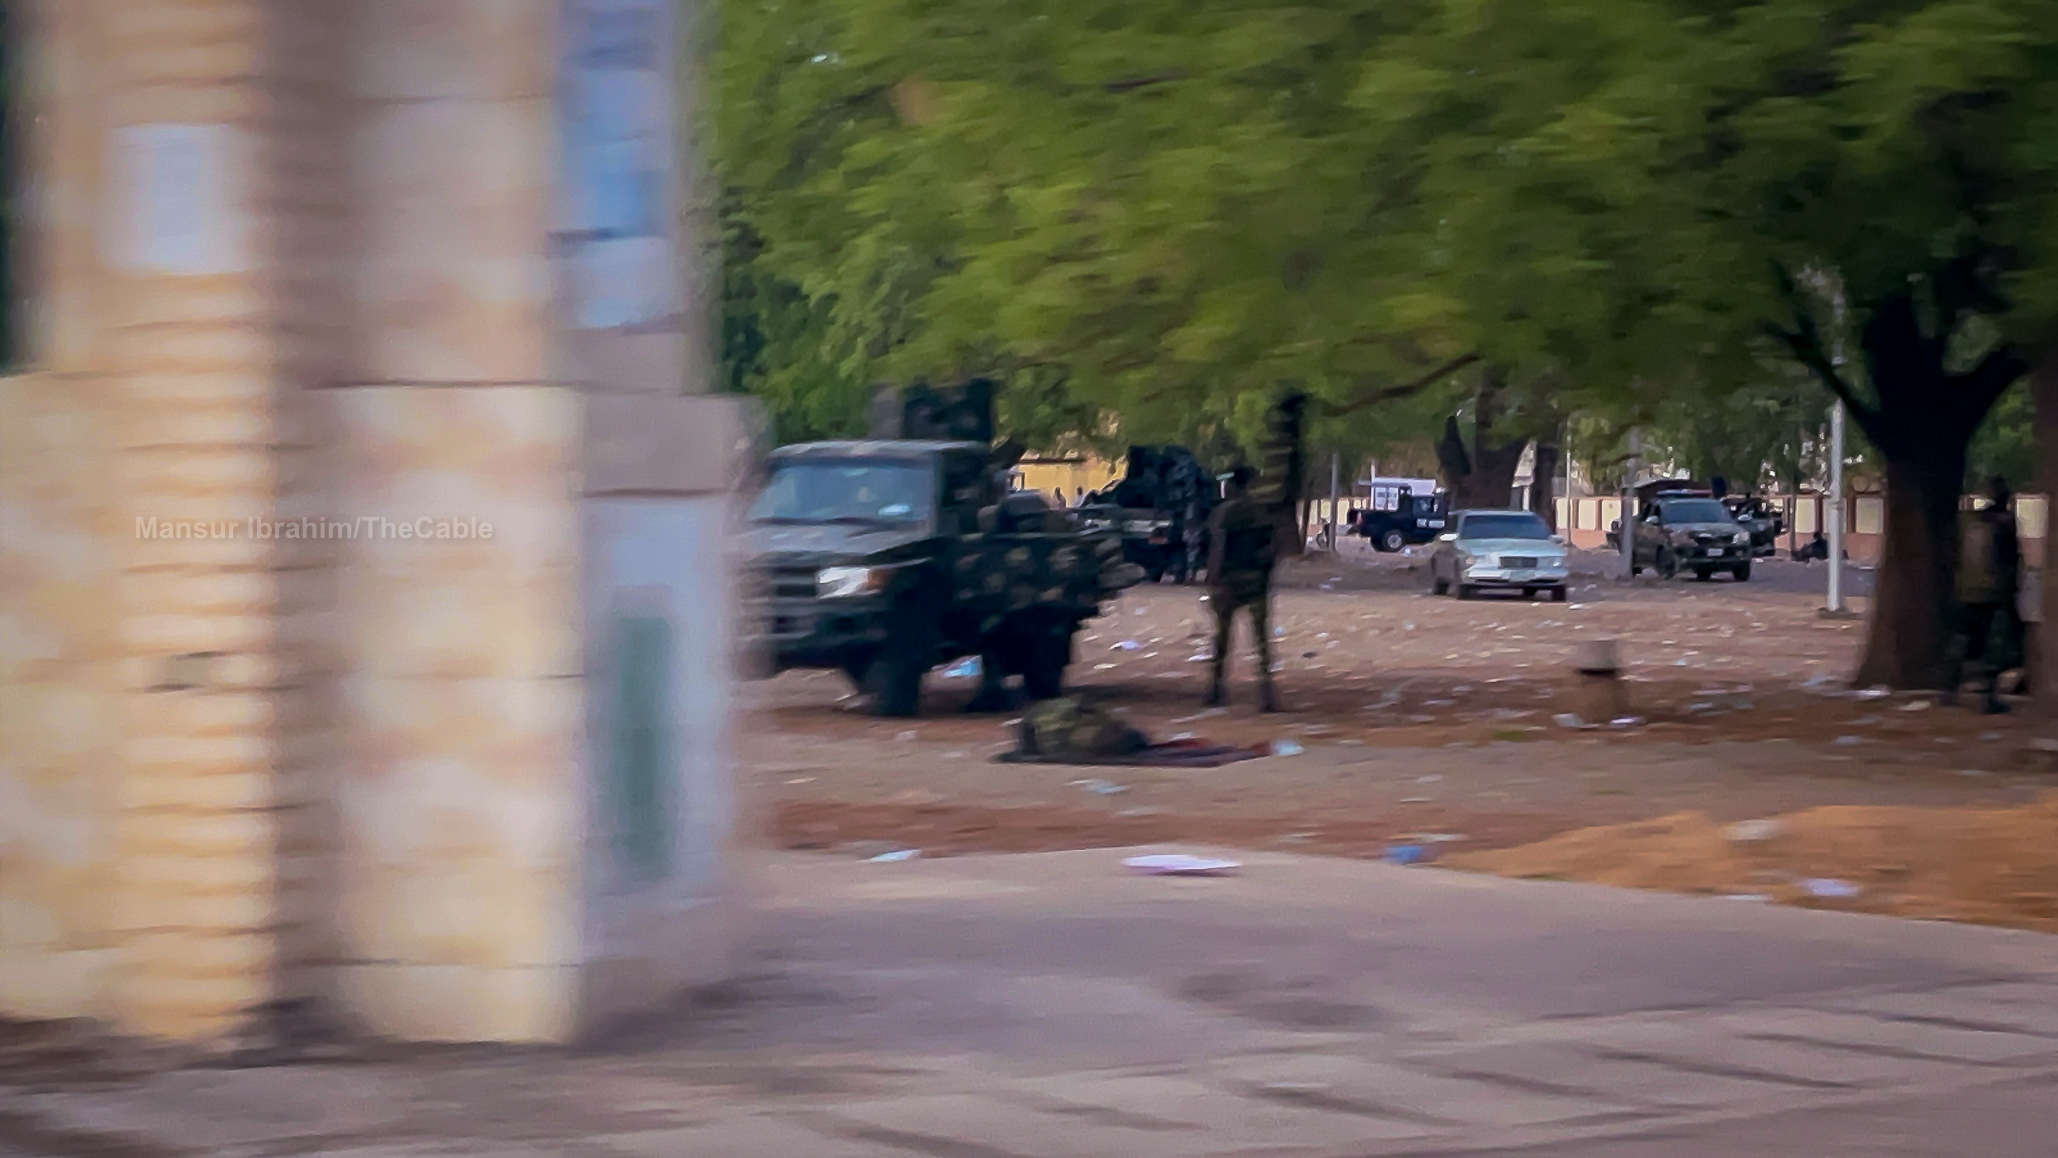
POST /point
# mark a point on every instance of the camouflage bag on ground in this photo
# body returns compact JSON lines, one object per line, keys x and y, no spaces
{"x":1069,"y":727}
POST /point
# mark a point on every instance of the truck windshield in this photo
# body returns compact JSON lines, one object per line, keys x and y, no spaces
{"x":1693,"y":511}
{"x":847,"y":491}
{"x":1505,"y":527}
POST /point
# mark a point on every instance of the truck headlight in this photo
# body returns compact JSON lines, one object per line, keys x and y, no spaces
{"x":849,"y":582}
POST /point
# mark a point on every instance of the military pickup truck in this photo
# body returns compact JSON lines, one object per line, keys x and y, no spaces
{"x":1161,"y":506}
{"x":884,"y":558}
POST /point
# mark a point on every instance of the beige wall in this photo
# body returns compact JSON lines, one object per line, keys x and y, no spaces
{"x":236,"y":769}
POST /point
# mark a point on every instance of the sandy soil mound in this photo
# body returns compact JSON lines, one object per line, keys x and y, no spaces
{"x":1991,"y":866}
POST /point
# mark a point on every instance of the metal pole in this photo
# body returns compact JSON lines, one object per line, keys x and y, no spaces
{"x":1571,"y":511}
{"x":1836,"y":471}
{"x":1834,"y":516}
{"x":1628,"y":544}
{"x":1335,"y":464}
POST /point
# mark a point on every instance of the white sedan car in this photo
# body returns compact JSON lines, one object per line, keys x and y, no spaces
{"x":1498,"y":550}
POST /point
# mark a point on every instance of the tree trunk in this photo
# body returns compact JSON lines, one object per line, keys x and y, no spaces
{"x":1922,"y":425}
{"x":1543,"y":483}
{"x":1910,"y":633}
{"x":1482,"y":476}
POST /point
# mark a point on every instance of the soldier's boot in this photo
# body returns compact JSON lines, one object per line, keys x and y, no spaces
{"x":1261,"y":626}
{"x":1954,"y":671}
{"x":1993,"y":705}
{"x":1218,"y":663}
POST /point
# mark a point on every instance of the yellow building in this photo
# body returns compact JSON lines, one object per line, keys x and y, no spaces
{"x":1071,"y":474}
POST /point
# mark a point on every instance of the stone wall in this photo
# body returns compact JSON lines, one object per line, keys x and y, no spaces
{"x":237,"y":766}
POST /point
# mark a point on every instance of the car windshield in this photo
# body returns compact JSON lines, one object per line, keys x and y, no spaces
{"x":847,"y":491}
{"x":1693,"y":511}
{"x":1509,"y":526}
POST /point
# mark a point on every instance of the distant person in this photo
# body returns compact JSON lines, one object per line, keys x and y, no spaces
{"x":1242,"y":546}
{"x":1079,"y":496}
{"x":1989,"y":635}
{"x":1060,"y":493}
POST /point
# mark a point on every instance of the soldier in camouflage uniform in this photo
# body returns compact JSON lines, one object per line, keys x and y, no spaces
{"x":1241,"y":551}
{"x":1989,"y":634}
{"x":1076,"y":728}
{"x":1254,"y":528}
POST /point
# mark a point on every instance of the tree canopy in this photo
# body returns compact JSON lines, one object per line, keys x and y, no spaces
{"x":1145,"y":216}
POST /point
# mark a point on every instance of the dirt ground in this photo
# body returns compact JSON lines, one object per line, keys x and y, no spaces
{"x":1417,"y":719}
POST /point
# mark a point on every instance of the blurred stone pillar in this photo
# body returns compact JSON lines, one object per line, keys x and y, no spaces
{"x":535,"y":810}
{"x":363,"y":611}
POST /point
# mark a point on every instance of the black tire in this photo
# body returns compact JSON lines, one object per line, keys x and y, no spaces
{"x":1043,"y":668}
{"x":1742,"y":573}
{"x":1558,"y":595}
{"x":1530,"y":593}
{"x":855,"y":670}
{"x":1392,"y":542}
{"x":1665,"y":565}
{"x":1467,"y":591}
{"x":894,"y":678}
{"x":894,"y":681}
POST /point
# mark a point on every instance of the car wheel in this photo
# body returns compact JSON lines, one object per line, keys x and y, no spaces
{"x":1557,"y":595}
{"x":1743,"y":573}
{"x":1467,"y":591}
{"x":1391,"y":542}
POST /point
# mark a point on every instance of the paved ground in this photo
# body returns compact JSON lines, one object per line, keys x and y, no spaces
{"x":1050,"y":1006}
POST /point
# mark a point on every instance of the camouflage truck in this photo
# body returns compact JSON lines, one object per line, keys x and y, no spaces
{"x":1161,"y":506}
{"x":885,"y":557}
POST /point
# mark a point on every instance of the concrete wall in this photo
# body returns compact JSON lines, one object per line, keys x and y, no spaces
{"x":236,"y":766}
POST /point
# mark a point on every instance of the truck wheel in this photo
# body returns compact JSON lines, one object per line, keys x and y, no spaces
{"x":894,"y":677}
{"x":1043,"y":672}
{"x":894,"y":681}
{"x":1467,"y":591}
{"x":855,"y":669}
{"x":1391,"y":542}
{"x":1742,"y":573}
{"x":1558,"y":594}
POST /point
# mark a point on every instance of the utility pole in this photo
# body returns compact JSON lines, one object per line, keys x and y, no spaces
{"x":1335,"y":464}
{"x":1571,"y":508}
{"x":1835,"y":608}
{"x":1628,"y":544}
{"x":1834,"y":516}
